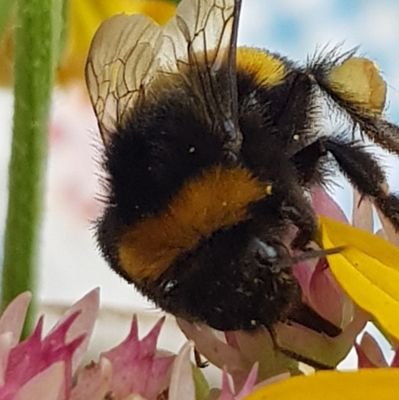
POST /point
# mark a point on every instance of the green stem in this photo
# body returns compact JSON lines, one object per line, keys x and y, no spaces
{"x":5,"y":11}
{"x":38,"y":26}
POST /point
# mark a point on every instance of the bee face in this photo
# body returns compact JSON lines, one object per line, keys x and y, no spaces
{"x":234,"y":280}
{"x":209,"y":152}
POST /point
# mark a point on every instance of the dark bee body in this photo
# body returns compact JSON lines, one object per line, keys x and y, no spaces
{"x":226,"y":276}
{"x":208,"y":167}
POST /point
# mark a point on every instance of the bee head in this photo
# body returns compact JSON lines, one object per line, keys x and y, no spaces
{"x":238,"y":278}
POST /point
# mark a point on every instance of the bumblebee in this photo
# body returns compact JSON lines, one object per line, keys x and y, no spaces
{"x":210,"y":151}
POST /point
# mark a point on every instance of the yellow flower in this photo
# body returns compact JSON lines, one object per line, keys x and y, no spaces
{"x":381,"y":384}
{"x":84,"y":17}
{"x":367,"y":269}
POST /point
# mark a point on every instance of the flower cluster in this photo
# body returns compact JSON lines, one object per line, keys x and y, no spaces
{"x":50,"y":366}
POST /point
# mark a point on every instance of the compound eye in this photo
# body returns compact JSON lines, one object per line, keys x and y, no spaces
{"x":263,"y":252}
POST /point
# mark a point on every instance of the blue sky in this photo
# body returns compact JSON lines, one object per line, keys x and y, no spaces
{"x":296,"y":28}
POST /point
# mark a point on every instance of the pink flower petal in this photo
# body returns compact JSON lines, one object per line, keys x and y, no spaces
{"x":323,"y":204}
{"x":250,"y":382}
{"x":47,"y":385}
{"x":87,"y":309}
{"x":148,"y":345}
{"x":231,"y":339}
{"x":259,"y":347}
{"x":240,"y":353}
{"x":24,"y":359}
{"x":34,"y":355}
{"x":395,"y":360}
{"x":227,"y":392}
{"x":212,"y":347}
{"x":141,"y":369}
{"x":303,"y":272}
{"x":55,"y":346}
{"x":362,"y":213}
{"x":181,"y":381}
{"x":13,"y":317}
{"x":93,"y":382}
{"x":369,"y":353}
{"x":319,"y":289}
{"x":362,"y":360}
{"x":6,"y":343}
{"x":389,"y":232}
{"x":59,"y":333}
{"x":319,"y":348}
{"x":327,"y":298}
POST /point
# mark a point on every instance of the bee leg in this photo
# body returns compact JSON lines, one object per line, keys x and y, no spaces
{"x":307,"y":162}
{"x":310,"y":172}
{"x":381,"y":132}
{"x":296,"y":210}
{"x":296,"y":356}
{"x":198,"y":359}
{"x":306,"y":316}
{"x":366,"y":175}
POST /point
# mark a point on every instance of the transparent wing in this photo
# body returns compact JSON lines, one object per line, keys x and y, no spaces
{"x":121,"y":63}
{"x":200,"y":43}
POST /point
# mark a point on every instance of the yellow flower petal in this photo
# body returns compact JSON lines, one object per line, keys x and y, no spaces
{"x":375,"y":384}
{"x":85,"y":16}
{"x":367,"y":269}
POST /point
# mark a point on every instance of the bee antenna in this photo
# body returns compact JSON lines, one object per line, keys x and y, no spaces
{"x":318,"y":253}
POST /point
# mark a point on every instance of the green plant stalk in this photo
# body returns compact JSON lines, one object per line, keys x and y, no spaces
{"x":38,"y":26}
{"x":5,"y":12}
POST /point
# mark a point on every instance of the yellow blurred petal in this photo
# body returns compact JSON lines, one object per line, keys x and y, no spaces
{"x":6,"y":55}
{"x":85,"y":16}
{"x":361,"y":81}
{"x":366,"y":384}
{"x":160,"y":11}
{"x":367,"y":269}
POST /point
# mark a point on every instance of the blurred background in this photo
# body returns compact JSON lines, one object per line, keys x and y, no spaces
{"x":70,"y":264}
